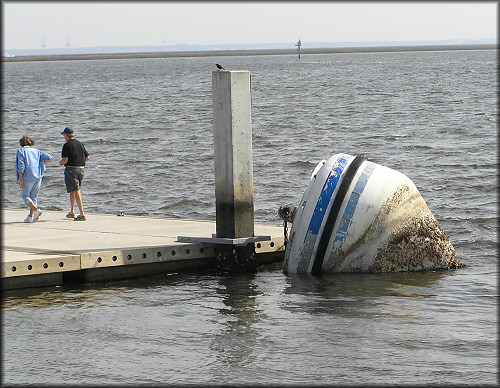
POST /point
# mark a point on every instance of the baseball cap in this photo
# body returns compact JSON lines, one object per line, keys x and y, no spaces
{"x":68,"y":131}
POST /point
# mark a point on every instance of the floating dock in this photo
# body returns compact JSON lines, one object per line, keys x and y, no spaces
{"x":56,"y":250}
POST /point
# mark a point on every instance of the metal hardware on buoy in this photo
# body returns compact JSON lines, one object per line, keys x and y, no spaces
{"x":287,"y":212}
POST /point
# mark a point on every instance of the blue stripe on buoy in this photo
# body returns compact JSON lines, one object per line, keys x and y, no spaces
{"x":346,"y":219}
{"x":325,"y":197}
{"x":334,"y":213}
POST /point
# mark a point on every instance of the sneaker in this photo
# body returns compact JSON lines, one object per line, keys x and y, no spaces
{"x":28,"y":220}
{"x":36,"y":215}
{"x":79,"y":218}
{"x":70,"y":215}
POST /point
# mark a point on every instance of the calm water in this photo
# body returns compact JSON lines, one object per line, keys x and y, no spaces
{"x":147,"y":125}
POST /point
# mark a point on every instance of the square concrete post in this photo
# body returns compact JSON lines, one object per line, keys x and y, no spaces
{"x":232,"y":125}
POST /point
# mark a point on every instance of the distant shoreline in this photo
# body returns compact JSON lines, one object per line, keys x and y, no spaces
{"x":221,"y":53}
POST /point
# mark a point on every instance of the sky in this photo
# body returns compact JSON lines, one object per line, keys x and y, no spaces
{"x":97,"y":23}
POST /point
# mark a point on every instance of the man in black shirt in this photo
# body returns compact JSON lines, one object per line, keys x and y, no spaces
{"x":74,"y":156}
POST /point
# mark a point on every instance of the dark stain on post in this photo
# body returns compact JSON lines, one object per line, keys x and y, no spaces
{"x":236,"y":258}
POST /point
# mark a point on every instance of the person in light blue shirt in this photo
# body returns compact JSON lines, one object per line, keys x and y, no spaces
{"x":30,"y":167}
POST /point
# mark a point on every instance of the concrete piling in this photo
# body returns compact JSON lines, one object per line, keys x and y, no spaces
{"x":232,"y":130}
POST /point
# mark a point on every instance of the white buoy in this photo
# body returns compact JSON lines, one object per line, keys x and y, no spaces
{"x":359,"y":216}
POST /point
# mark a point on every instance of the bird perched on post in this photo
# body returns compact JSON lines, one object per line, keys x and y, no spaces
{"x":219,"y":66}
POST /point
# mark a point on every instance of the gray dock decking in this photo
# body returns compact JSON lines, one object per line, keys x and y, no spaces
{"x":55,"y":249}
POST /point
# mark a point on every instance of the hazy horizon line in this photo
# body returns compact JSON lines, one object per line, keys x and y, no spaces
{"x":236,"y":46}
